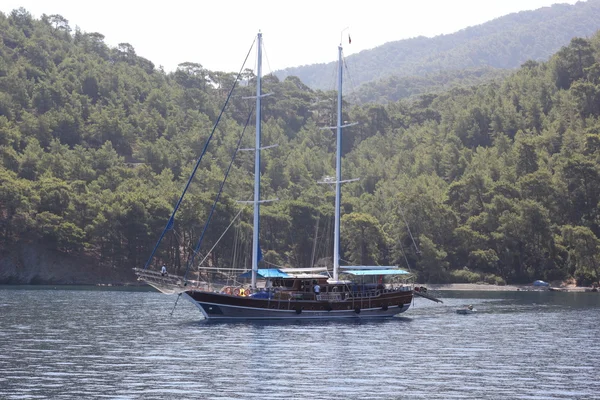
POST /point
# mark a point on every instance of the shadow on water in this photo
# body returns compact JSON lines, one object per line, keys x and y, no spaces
{"x":302,"y":322}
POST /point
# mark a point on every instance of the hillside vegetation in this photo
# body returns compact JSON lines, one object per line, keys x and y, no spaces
{"x":391,"y":71}
{"x":498,"y":182}
{"x":395,"y":87}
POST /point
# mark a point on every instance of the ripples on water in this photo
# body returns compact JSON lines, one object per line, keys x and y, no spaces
{"x":82,"y":344}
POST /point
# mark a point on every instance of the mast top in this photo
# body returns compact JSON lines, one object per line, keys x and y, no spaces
{"x":342,"y":35}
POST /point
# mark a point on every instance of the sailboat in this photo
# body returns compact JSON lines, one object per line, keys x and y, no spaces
{"x":349,"y":292}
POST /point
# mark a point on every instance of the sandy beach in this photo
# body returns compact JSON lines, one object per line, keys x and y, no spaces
{"x":503,"y":288}
{"x":472,"y":286}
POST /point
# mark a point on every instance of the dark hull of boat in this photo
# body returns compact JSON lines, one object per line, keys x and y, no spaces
{"x":219,"y":306}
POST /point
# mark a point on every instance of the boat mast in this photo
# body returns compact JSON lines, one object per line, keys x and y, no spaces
{"x":338,"y":171}
{"x":255,"y":253}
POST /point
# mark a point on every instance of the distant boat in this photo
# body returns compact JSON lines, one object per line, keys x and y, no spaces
{"x":557,"y":289}
{"x":350,"y":291}
{"x":466,"y":310}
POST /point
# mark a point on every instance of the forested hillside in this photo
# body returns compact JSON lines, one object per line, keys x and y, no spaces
{"x":504,"y":43}
{"x":396,"y":87}
{"x":497,"y":182}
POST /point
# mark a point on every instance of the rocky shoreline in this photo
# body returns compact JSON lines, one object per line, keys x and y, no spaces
{"x":29,"y":264}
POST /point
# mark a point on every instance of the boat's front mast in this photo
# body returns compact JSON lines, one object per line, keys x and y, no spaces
{"x":255,"y":250}
{"x":338,"y":171}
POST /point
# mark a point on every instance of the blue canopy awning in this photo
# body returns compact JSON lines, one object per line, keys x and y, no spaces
{"x":266,"y":273}
{"x":371,"y":272}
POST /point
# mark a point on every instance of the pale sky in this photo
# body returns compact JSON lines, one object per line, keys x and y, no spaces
{"x":218,"y":34}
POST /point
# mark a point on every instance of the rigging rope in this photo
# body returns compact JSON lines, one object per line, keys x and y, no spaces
{"x":234,"y":255}
{"x":275,"y":265}
{"x":221,"y":237}
{"x":172,"y":219}
{"x":176,"y":301}
{"x":405,"y":259}
{"x":350,"y":77}
{"x":197,"y":249}
{"x":409,"y":232}
{"x":315,"y":241}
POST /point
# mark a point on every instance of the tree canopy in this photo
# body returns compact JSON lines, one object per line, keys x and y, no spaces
{"x":497,"y":182}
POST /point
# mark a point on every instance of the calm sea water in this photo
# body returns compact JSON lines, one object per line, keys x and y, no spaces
{"x":74,"y":343}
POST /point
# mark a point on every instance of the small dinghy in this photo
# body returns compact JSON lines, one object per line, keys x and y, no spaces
{"x":467,"y":310}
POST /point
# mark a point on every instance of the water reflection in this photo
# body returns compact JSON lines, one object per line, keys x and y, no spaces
{"x":308,"y":322}
{"x":65,"y":343}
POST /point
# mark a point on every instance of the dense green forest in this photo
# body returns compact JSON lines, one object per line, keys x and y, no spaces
{"x":503,"y":43}
{"x":497,"y":182}
{"x":396,"y":87}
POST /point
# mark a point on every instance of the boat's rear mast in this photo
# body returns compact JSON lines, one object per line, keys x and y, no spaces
{"x":338,"y":171}
{"x":255,"y":247}
{"x":338,"y":168}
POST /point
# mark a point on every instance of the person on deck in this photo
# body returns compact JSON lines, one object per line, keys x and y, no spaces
{"x":317,"y":288}
{"x":163,"y":270}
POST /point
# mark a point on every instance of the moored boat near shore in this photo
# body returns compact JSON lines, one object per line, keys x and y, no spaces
{"x":288,"y":293}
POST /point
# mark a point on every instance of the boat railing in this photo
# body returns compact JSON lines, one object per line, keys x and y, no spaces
{"x":364,"y":295}
{"x":329,"y":297}
{"x":169,"y":283}
{"x":375,"y":292}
